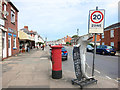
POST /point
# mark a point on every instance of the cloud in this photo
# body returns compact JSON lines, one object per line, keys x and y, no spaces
{"x":58,"y":18}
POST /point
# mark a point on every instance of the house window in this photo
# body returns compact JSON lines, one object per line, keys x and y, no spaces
{"x":112,"y":44}
{"x":12,"y":16}
{"x":103,"y":43}
{"x":103,"y":35}
{"x":14,"y":42}
{"x":5,"y":9}
{"x":112,"y":33}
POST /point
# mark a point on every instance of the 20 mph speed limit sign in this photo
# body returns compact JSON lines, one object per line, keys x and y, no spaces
{"x":96,"y":21}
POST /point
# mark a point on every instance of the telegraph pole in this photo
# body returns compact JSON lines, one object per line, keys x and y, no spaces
{"x":78,"y":32}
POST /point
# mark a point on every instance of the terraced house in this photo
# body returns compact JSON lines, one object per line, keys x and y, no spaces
{"x":111,"y":36}
{"x":10,"y":44}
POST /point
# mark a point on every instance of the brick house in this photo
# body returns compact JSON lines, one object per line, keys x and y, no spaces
{"x":97,"y":39}
{"x":68,"y":39}
{"x":111,"y":36}
{"x":10,"y":36}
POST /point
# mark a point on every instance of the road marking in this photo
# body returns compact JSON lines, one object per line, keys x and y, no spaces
{"x":43,"y":58}
{"x":97,"y":71}
{"x":116,"y":80}
{"x":108,"y":77}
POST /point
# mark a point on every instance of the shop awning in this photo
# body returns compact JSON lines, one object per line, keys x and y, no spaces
{"x":24,"y":36}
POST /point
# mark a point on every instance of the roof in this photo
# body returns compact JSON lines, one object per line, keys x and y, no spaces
{"x":25,"y":36}
{"x":13,"y":5}
{"x":116,"y":25}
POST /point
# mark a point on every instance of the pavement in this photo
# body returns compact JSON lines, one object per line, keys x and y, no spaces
{"x":33,"y":70}
{"x":117,"y":53}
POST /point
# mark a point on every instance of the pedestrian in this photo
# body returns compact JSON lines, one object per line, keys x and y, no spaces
{"x":43,"y":47}
{"x":28,"y":49}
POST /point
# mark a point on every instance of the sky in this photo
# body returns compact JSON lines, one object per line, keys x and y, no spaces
{"x":56,"y":19}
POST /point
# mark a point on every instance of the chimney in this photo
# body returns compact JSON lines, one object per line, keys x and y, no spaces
{"x":26,"y":27}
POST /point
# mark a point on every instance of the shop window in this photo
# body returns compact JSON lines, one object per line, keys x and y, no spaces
{"x":8,"y":43}
{"x":112,"y":33}
{"x":12,"y":16}
{"x":14,"y":42}
{"x":3,"y":41}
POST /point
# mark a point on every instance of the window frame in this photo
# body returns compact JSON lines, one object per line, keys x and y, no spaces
{"x":12,"y":16}
{"x":112,"y":33}
{"x":113,"y":44}
{"x":103,"y":42}
{"x":103,"y":36}
{"x":5,"y":9}
{"x":14,"y":42}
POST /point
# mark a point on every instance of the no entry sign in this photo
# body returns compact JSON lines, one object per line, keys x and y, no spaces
{"x":96,"y":21}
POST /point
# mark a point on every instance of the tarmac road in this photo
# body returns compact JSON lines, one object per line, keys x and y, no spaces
{"x":105,"y":65}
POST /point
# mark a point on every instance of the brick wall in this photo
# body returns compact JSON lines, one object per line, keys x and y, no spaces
{"x":107,"y":38}
{"x":0,"y":45}
{"x":10,"y":25}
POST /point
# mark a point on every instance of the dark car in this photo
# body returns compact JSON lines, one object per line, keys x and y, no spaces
{"x":63,"y":52}
{"x":104,"y":49}
{"x":90,"y":48}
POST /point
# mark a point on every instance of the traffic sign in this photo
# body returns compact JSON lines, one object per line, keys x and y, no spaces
{"x":96,"y":21}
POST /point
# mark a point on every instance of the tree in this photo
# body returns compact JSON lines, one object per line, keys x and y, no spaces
{"x":75,"y":36}
{"x":67,"y":43}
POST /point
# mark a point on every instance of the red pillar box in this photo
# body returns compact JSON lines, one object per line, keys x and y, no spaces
{"x":56,"y":62}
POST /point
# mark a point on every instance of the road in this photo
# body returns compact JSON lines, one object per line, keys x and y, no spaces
{"x":105,"y":65}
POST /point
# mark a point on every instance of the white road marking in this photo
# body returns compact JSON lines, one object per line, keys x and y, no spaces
{"x":116,"y":80}
{"x":108,"y":77}
{"x":43,"y":58}
{"x":97,"y":71}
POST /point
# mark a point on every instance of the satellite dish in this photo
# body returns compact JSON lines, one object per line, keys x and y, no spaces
{"x":5,"y":13}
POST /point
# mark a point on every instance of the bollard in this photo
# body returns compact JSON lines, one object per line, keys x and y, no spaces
{"x":56,"y":62}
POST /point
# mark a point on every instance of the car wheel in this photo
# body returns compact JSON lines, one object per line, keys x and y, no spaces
{"x":103,"y":53}
{"x":66,"y":58}
{"x":113,"y":54}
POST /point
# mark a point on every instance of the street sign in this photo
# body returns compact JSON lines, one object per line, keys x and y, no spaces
{"x":96,"y":21}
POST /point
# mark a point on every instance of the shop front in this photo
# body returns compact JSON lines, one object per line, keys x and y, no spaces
{"x":12,"y":42}
{"x":3,"y":48}
{"x":25,"y":42}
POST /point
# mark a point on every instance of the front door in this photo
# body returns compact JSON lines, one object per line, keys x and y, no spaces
{"x":9,"y":46}
{"x":4,"y":50}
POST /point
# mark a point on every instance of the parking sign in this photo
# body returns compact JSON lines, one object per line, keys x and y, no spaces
{"x":96,"y":21}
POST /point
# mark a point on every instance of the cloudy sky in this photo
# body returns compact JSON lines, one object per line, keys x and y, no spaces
{"x":55,"y":19}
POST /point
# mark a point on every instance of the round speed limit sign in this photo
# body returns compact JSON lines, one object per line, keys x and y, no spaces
{"x":97,"y":17}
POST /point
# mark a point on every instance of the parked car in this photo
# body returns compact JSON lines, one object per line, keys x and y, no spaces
{"x":90,"y":48}
{"x":104,"y":49}
{"x":63,"y":52}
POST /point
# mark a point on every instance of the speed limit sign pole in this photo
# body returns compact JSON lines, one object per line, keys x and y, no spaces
{"x":96,"y":26}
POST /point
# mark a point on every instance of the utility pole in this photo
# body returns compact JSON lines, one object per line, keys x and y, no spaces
{"x":78,"y":32}
{"x":46,"y":40}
